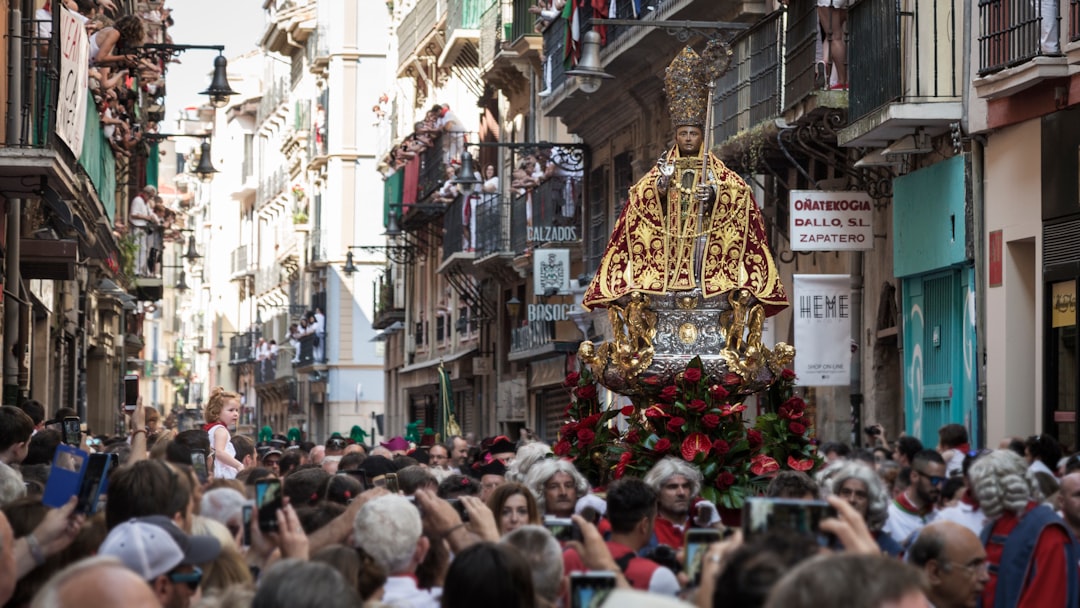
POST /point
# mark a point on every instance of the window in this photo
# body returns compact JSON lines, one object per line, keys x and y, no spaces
{"x":599,"y":231}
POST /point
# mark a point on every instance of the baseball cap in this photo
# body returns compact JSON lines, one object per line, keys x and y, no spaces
{"x":152,"y":546}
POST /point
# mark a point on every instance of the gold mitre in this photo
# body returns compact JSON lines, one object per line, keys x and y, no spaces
{"x":687,"y":89}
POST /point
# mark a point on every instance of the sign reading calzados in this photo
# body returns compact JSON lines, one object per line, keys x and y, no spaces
{"x":831,"y":221}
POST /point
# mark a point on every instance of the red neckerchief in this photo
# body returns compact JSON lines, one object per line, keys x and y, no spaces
{"x":209,"y":425}
{"x":905,"y":505}
{"x":963,"y":448}
{"x":970,"y":500}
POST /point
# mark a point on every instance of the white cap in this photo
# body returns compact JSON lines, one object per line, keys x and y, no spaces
{"x":146,"y":549}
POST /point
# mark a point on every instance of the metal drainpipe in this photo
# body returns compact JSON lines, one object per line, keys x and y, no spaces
{"x":856,"y":342}
{"x":977,"y":226}
{"x":12,"y":276}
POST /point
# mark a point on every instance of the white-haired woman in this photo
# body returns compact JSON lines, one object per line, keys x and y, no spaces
{"x":557,"y":486}
{"x":1030,"y":551}
{"x":526,"y":456}
{"x":861,"y":487}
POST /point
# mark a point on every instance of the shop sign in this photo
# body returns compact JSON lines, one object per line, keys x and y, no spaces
{"x":831,"y":221}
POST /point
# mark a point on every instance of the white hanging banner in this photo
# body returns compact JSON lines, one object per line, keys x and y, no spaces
{"x":74,"y":70}
{"x":823,"y":329}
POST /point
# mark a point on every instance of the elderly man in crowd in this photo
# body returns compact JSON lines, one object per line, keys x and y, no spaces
{"x":1068,"y":502}
{"x":545,"y":559}
{"x":954,"y":562}
{"x":679,"y":506}
{"x":389,"y":529}
{"x":557,"y":487}
{"x":1033,"y":556}
{"x":96,"y":581}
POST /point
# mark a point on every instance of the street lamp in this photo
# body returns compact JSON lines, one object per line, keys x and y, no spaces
{"x":192,"y":253}
{"x":588,"y":70}
{"x":219,"y":89}
{"x":205,"y":169}
{"x":466,"y":177}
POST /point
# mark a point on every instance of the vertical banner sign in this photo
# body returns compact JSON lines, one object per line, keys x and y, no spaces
{"x":831,"y":221}
{"x":996,"y":261}
{"x":823,"y":329}
{"x":74,"y":67}
{"x":551,"y":271}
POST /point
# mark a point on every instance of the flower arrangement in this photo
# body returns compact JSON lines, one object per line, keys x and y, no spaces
{"x":701,"y":423}
{"x":297,"y":192}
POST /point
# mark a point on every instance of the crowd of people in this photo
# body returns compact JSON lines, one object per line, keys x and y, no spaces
{"x":439,"y":120}
{"x":506,"y":523}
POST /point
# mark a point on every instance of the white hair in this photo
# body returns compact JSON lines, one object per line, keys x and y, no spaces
{"x":877,"y":507}
{"x":999,"y":480}
{"x":542,"y":471}
{"x":526,"y":456}
{"x":669,"y":467}
{"x":223,"y":505}
{"x":12,"y":486}
{"x":544,"y":555}
{"x":388,"y":528}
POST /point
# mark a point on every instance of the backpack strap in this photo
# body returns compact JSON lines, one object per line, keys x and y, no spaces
{"x":624,"y":561}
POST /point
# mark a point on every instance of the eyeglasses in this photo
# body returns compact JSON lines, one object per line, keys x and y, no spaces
{"x":978,"y":568}
{"x":192,"y":579}
{"x":935,"y":480}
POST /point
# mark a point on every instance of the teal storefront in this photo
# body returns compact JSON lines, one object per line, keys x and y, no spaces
{"x":931,"y":257}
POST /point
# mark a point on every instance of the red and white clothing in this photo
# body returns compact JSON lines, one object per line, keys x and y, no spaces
{"x":905,"y":519}
{"x":403,"y":592}
{"x":642,"y":574}
{"x":1049,"y":572}
{"x":222,"y":470}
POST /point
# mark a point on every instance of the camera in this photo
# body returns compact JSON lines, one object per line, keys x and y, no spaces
{"x":873,"y":430}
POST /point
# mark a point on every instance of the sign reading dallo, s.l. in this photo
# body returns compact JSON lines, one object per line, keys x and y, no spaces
{"x":831,"y":221}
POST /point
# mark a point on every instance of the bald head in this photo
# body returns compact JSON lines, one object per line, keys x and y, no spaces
{"x":97,"y":581}
{"x":1069,"y":500}
{"x":954,"y":562}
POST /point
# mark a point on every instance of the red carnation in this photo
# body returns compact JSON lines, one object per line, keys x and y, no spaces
{"x":624,"y":460}
{"x":571,"y":379}
{"x":675,"y":424}
{"x":711,"y":421}
{"x":562,"y":448}
{"x":718,"y":392}
{"x":763,"y":465}
{"x":586,"y":392}
{"x":725,"y":480}
{"x":627,"y":410}
{"x":753,"y":436}
{"x":632,"y":437}
{"x":796,"y":428}
{"x":585,"y":436}
{"x":732,"y":379}
{"x":697,"y":405}
{"x":720,"y":447}
{"x":662,"y":446}
{"x":692,"y":374}
{"x":787,"y":374}
{"x":668,"y":393}
{"x":800,"y":465}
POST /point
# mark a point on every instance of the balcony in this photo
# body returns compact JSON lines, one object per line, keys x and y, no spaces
{"x":494,"y":257}
{"x":311,"y":350}
{"x":319,"y":50}
{"x":749,"y":93}
{"x":906,"y":74}
{"x":240,"y":267}
{"x":463,"y":31}
{"x":270,"y":188}
{"x":1020,"y":46}
{"x":242,"y":348}
{"x":142,"y":251}
{"x":430,"y":175}
{"x":289,"y":23}
{"x":459,"y":233}
{"x":275,"y":368}
{"x":508,"y":44}
{"x":272,"y":102}
{"x":419,"y":34}
{"x":387,"y":310}
{"x":267,"y":279}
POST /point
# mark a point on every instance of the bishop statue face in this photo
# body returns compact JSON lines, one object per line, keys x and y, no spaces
{"x":688,"y":138}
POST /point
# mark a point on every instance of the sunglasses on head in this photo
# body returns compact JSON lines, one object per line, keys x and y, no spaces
{"x":191,"y":579}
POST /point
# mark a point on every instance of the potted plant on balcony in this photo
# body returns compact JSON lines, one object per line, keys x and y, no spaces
{"x":297,"y":192}
{"x":300,"y":217}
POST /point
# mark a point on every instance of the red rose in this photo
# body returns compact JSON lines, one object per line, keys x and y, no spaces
{"x":662,"y":446}
{"x":787,"y":374}
{"x":586,"y":392}
{"x":720,"y":447}
{"x":568,"y":430}
{"x":732,"y":379}
{"x":718,"y":392}
{"x":624,"y":460}
{"x":562,"y":448}
{"x":571,"y":379}
{"x":668,"y":393}
{"x":632,"y":437}
{"x":753,"y":436}
{"x":692,"y":374}
{"x":725,"y":480}
{"x":763,"y":465}
{"x":697,"y":405}
{"x":590,"y":422}
{"x":711,"y":421}
{"x":566,"y":412}
{"x":585,"y":436}
{"x":675,"y":424}
{"x":627,"y":410}
{"x":800,"y":465}
{"x":796,"y":428}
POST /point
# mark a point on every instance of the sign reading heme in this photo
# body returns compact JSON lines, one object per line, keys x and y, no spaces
{"x":831,"y":221}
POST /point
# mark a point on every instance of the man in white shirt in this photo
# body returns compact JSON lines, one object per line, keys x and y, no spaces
{"x":389,"y":529}
{"x":142,"y":220}
{"x":914,"y":508}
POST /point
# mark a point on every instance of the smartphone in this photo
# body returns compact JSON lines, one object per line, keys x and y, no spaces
{"x":71,"y":430}
{"x":246,"y":518}
{"x":65,"y":476}
{"x":388,"y":481}
{"x":268,"y":501}
{"x":131,"y":392}
{"x":697,"y":543}
{"x":460,"y":508}
{"x":198,"y":462}
{"x":800,"y":516}
{"x":93,"y":483}
{"x":358,"y":475}
{"x":563,"y":529}
{"x":589,"y":589}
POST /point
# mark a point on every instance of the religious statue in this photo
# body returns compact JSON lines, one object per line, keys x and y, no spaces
{"x":689,"y":252}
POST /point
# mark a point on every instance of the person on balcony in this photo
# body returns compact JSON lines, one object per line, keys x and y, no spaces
{"x":832,"y":15}
{"x":143,"y":222}
{"x":690,"y":222}
{"x":320,"y":334}
{"x":127,"y":33}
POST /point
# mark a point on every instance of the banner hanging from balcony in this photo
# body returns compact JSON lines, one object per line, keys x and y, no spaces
{"x":831,"y":221}
{"x":551,"y":271}
{"x":823,"y":329}
{"x":74,"y":69}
